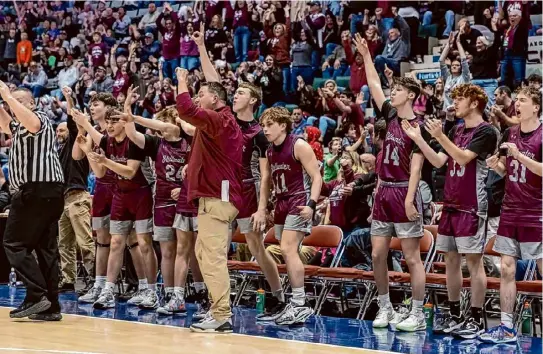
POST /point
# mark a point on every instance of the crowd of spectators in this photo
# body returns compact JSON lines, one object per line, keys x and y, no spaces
{"x":300,"y":53}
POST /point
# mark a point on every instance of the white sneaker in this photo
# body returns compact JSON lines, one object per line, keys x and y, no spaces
{"x":211,"y":325}
{"x":415,"y":322}
{"x":384,"y":316}
{"x":294,"y":314}
{"x":401,"y":314}
{"x":137,"y":298}
{"x":105,"y":301}
{"x":150,"y":301}
{"x":91,"y":296}
{"x":174,"y":305}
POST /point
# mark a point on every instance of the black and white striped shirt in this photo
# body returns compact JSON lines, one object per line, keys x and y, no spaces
{"x":34,"y":157}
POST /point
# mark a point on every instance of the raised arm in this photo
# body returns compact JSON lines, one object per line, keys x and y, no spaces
{"x":436,"y":159}
{"x":5,"y":121}
{"x":374,"y":82}
{"x":210,"y":73}
{"x":83,"y":121}
{"x":463,"y":61}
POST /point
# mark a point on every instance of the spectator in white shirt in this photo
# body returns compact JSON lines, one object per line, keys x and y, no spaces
{"x":36,"y":79}
{"x":67,"y":77}
{"x":148,"y":21}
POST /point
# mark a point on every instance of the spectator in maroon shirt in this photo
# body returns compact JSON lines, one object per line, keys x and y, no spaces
{"x":242,"y":34}
{"x":214,"y":180}
{"x":358,"y":82}
{"x":189,"y":50}
{"x":171,"y":37}
{"x":97,"y":51}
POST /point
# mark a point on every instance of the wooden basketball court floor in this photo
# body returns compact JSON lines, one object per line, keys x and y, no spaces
{"x":127,"y":329}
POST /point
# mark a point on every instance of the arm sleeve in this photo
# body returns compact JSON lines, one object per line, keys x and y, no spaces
{"x":261,"y":143}
{"x":484,"y":142}
{"x":450,"y":135}
{"x":505,"y":136}
{"x":206,"y":120}
{"x":151,"y":146}
{"x":425,"y":135}
{"x":103,"y":143}
{"x":72,"y":128}
{"x":135,"y":153}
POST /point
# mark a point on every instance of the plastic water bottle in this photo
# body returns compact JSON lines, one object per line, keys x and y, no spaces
{"x":12,"y":278}
{"x":428,"y":310}
{"x":260,"y":298}
{"x":526,"y":327}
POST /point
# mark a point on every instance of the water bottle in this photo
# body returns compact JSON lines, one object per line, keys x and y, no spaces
{"x":260,"y":298}
{"x":429,"y":314}
{"x":12,"y":278}
{"x":526,"y":322}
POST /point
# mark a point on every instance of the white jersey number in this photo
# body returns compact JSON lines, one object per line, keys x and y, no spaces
{"x":395,"y":157}
{"x":516,"y":176}
{"x":280,"y":184}
{"x":459,"y":172}
{"x":172,"y":175}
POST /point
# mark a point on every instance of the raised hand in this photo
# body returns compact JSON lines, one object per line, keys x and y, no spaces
{"x":181,"y":74}
{"x":412,"y":131}
{"x":198,"y":36}
{"x":79,"y":117}
{"x":361,"y":45}
{"x":4,"y":90}
{"x":434,"y":127}
{"x":99,"y":158}
{"x":67,"y":92}
{"x":388,"y":73}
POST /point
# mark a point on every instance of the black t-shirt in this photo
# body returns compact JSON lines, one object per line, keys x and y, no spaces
{"x":483,"y":142}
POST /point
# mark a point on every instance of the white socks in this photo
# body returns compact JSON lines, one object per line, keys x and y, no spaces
{"x":507,"y":319}
{"x":109,"y":286}
{"x":279,"y":295}
{"x":384,"y":301}
{"x":142,"y":284}
{"x":199,"y":286}
{"x":168,"y":289}
{"x":100,"y":281}
{"x":416,"y":306}
{"x":298,"y":296}
{"x":180,"y":291}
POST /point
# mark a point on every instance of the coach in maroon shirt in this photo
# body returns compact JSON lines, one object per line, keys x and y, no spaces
{"x":214,"y":178}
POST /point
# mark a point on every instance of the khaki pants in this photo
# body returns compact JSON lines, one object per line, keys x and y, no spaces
{"x":75,"y":227}
{"x":214,"y":218}
{"x":306,"y":253}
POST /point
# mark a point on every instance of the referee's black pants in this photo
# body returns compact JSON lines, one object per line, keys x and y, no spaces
{"x":32,"y":226}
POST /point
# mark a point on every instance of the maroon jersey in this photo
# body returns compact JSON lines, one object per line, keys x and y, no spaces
{"x":254,"y":147}
{"x":109,"y":177}
{"x":98,"y":53}
{"x":465,"y":185}
{"x":121,"y":152}
{"x":288,"y":175}
{"x":397,"y":148}
{"x":523,"y":197}
{"x":170,"y":158}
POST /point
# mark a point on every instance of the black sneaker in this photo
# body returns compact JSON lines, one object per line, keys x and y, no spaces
{"x":447,"y":323}
{"x":47,"y":315}
{"x":30,"y":308}
{"x":272,"y":314}
{"x":203,"y":304}
{"x":66,"y":288}
{"x":470,"y":329}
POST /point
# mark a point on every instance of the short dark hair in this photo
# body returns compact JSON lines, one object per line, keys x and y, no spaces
{"x":106,"y":98}
{"x":504,"y":89}
{"x":380,"y":129}
{"x":217,"y":89}
{"x":535,"y":78}
{"x":410,"y":84}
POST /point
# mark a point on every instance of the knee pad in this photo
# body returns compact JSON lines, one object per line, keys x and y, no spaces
{"x":102,"y":244}
{"x":132,"y":245}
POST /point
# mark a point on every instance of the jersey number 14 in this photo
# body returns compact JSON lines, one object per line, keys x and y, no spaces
{"x":395,"y":157}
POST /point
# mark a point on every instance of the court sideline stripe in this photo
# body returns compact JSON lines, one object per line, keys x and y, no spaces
{"x":43,"y":351}
{"x":237,"y":334}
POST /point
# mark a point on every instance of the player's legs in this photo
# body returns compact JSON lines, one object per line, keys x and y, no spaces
{"x":103,"y":245}
{"x":167,"y":264}
{"x":453,"y":273}
{"x":255,"y":242}
{"x":185,"y":243}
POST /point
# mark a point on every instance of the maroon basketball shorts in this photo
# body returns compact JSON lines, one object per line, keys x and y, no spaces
{"x":520,"y":235}
{"x":389,"y":217}
{"x":132,"y":209}
{"x":460,"y":231}
{"x":249,"y":206}
{"x":101,"y":205}
{"x":163,"y":220}
{"x":287,"y":215}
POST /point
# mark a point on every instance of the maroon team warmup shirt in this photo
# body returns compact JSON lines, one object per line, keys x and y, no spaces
{"x":216,"y":151}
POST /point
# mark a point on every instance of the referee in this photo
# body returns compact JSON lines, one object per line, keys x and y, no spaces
{"x":36,"y":175}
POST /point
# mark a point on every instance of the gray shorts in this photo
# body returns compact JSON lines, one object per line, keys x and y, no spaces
{"x":522,"y":250}
{"x":163,"y":234}
{"x":186,"y":223}
{"x":465,"y":244}
{"x":118,"y":227}
{"x":245,"y":225}
{"x":101,"y":222}
{"x":411,"y":229}
{"x":293,"y":223}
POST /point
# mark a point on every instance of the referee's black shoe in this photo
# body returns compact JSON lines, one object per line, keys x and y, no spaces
{"x":47,"y":315}
{"x":30,"y":308}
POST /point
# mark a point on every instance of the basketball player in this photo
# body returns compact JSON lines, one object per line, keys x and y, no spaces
{"x":131,"y":204}
{"x":398,"y":207}
{"x":297,"y":182}
{"x":170,"y":153}
{"x":255,"y":170}
{"x":520,"y":230}
{"x":101,"y":202}
{"x":462,"y":225}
